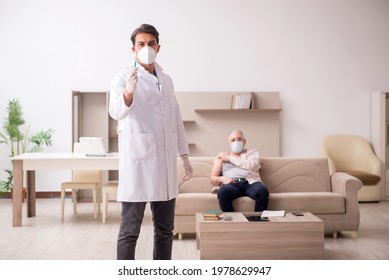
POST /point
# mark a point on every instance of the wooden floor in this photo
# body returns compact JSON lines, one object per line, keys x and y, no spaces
{"x":80,"y":237}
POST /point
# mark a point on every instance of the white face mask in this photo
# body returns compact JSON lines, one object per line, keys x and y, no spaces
{"x":237,"y":147}
{"x":147,"y":55}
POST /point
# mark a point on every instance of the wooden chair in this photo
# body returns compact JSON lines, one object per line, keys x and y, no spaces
{"x":110,"y":187}
{"x":83,"y":180}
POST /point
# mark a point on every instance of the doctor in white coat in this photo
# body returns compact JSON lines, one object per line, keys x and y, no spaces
{"x":151,"y":136}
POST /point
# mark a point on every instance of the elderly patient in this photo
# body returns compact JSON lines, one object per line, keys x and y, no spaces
{"x":237,"y":174}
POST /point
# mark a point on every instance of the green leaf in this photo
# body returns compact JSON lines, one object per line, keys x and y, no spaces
{"x":7,"y":185}
{"x":14,"y":120}
{"x":17,"y":141}
{"x":42,"y":138}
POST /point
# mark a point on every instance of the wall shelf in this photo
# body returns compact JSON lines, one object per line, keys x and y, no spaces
{"x":208,"y":118}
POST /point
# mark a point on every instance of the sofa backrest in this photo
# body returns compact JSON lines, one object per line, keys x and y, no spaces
{"x":200,"y":181}
{"x":295,"y":174}
{"x":279,"y":174}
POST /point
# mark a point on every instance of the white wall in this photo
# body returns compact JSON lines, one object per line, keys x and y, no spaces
{"x":325,"y":58}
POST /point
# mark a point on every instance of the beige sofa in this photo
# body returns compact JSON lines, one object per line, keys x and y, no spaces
{"x":295,"y":184}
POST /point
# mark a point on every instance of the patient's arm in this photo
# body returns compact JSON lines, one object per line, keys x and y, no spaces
{"x":249,"y":160}
{"x":216,"y":178}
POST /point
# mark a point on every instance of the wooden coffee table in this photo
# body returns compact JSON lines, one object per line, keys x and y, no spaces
{"x":289,"y":237}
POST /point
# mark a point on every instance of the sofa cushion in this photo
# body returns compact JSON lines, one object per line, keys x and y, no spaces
{"x":315,"y":202}
{"x":366,"y":178}
{"x":190,"y":203}
{"x":288,"y":174}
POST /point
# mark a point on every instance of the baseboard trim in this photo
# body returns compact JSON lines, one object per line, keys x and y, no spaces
{"x":42,"y":194}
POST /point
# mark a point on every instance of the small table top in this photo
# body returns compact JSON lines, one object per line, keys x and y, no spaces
{"x":239,"y":217}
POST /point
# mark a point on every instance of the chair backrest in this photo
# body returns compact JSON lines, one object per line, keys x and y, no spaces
{"x":85,"y":175}
{"x":347,"y":152}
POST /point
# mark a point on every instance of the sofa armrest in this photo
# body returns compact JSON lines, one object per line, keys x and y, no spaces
{"x":348,"y":186}
{"x":345,"y":184}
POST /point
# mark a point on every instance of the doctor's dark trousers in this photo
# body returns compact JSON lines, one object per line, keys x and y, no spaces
{"x":131,"y":221}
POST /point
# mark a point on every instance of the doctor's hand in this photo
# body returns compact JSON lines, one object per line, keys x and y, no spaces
{"x":131,"y":80}
{"x":187,"y":167}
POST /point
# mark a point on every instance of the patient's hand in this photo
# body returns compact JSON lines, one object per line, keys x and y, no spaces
{"x":225,"y":180}
{"x":223,"y":156}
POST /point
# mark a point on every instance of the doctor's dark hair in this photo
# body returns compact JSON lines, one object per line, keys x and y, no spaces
{"x":145,"y":28}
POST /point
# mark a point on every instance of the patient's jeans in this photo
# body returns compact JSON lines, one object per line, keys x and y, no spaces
{"x":131,"y":220}
{"x":256,"y":191}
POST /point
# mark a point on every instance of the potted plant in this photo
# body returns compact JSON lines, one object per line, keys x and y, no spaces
{"x":17,"y":141}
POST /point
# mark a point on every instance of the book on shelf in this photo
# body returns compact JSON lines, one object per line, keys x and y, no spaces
{"x":242,"y":101}
{"x":212,"y":213}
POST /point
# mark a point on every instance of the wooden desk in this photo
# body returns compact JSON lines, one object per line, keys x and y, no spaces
{"x":30,"y":162}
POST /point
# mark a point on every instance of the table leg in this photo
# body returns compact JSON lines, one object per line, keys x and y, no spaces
{"x":17,"y":193}
{"x":31,"y":195}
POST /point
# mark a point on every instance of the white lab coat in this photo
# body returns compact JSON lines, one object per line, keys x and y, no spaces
{"x":151,"y":136}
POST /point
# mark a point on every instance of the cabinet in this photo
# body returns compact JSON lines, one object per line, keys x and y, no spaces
{"x":208,"y":120}
{"x":90,"y":118}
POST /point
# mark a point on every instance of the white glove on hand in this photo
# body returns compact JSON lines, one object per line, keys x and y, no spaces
{"x":131,"y":80}
{"x":187,"y":167}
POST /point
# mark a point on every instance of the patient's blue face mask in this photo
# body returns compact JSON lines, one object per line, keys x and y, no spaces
{"x":237,"y":147}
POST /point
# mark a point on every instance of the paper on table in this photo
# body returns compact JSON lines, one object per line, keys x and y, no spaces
{"x":270,"y":213}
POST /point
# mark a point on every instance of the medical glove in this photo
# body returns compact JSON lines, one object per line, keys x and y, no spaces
{"x":131,"y":80}
{"x":187,"y":167}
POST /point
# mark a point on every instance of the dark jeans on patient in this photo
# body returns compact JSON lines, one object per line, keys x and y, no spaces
{"x":131,"y":221}
{"x":256,"y":191}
